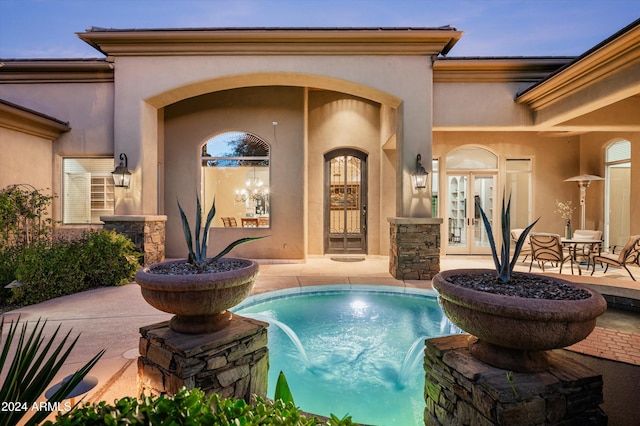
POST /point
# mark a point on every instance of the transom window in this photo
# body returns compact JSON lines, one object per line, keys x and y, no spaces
{"x":472,"y":158}
{"x":235,"y":170}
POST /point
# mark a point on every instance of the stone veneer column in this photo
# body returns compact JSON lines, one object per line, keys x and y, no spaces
{"x":459,"y":389}
{"x":147,"y":233}
{"x":232,"y":362}
{"x":414,"y":249}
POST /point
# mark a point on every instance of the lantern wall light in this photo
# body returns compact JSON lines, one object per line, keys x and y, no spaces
{"x":420,"y":175}
{"x":121,"y":174}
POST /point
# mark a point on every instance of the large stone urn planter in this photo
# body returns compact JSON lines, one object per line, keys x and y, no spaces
{"x":199,"y":301}
{"x":514,"y":333}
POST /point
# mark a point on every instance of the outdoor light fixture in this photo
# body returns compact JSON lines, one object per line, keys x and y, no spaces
{"x":420,"y":175}
{"x":122,"y":175}
{"x":583,"y":184}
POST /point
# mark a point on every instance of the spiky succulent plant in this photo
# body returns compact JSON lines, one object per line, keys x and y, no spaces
{"x":504,"y":266}
{"x":198,"y":251}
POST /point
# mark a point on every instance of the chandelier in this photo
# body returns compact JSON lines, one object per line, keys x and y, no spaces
{"x":254,"y":190}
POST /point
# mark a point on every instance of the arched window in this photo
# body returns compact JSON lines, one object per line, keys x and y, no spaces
{"x":235,"y":170}
{"x":472,"y":158}
{"x":618,"y":193}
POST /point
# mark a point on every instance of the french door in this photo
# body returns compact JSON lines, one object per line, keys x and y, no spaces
{"x":466,"y":193}
{"x":345,"y":206}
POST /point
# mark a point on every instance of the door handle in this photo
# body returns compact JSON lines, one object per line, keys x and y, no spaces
{"x":364,"y":218}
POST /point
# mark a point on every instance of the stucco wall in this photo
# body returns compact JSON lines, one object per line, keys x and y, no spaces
{"x":188,"y":124}
{"x":29,"y":162}
{"x":479,"y":105}
{"x":88,"y":107}
{"x":337,"y":120}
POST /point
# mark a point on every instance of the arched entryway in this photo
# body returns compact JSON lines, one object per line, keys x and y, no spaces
{"x":345,"y":202}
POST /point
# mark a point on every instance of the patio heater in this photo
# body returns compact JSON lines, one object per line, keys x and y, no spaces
{"x":583,"y":183}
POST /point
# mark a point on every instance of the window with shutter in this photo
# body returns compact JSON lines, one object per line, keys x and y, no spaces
{"x":87,"y":188}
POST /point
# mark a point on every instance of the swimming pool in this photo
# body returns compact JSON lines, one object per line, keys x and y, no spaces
{"x":351,"y":349}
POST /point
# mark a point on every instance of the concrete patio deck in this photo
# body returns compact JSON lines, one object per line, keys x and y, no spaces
{"x":111,"y":317}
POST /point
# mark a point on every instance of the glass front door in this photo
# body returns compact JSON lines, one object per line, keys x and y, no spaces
{"x":345,"y":202}
{"x":467,"y":192}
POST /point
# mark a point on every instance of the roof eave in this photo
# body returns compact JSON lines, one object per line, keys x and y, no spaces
{"x":26,"y":120}
{"x":273,"y":41}
{"x":613,"y":54}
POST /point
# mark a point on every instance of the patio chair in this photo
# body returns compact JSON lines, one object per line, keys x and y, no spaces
{"x":586,"y":250}
{"x":526,"y":247}
{"x":548,"y":248}
{"x":629,"y":255}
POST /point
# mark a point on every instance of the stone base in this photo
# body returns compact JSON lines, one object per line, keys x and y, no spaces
{"x":146,"y":232}
{"x":414,"y":251}
{"x":232,"y":362}
{"x":459,"y":389}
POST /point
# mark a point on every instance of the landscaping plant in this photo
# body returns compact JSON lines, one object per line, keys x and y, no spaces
{"x":47,"y":270}
{"x":32,"y":365}
{"x":504,"y":266}
{"x":191,"y":407}
{"x":24,"y":216}
{"x":24,"y":221}
{"x":108,"y":258}
{"x":198,"y":251}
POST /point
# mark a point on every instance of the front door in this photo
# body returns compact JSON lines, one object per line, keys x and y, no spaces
{"x":466,"y":232}
{"x":345,"y":202}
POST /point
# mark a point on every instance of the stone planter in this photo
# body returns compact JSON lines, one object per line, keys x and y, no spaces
{"x":514,"y":333}
{"x":199,"y":301}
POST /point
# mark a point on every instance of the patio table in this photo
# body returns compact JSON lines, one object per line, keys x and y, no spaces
{"x":572,"y":245}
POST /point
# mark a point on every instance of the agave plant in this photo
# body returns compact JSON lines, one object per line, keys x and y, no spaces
{"x":198,"y":251}
{"x":32,"y":369}
{"x":504,"y":266}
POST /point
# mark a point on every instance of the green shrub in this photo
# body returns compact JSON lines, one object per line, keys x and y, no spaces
{"x":8,"y":265}
{"x":191,"y":407}
{"x":24,"y":216}
{"x":23,"y":221}
{"x":47,"y":271}
{"x":109,"y":259}
{"x":50,"y":270}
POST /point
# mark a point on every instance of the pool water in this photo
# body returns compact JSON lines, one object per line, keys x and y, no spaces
{"x":349,"y":350}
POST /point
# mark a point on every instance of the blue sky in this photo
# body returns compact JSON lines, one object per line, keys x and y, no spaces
{"x":46,"y":28}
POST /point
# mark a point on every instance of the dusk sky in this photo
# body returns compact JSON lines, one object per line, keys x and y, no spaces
{"x":46,"y":28}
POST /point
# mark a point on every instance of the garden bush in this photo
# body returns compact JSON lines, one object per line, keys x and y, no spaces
{"x":109,"y":259}
{"x":48,"y":270}
{"x":23,"y":221}
{"x":8,"y":265}
{"x":191,"y":407}
{"x":24,"y":216}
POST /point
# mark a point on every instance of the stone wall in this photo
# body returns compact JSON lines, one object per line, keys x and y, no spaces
{"x":414,"y":252}
{"x":146,"y":232}
{"x":232,"y":362}
{"x":462,"y":390}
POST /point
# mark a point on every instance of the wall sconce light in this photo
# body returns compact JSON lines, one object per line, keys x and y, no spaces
{"x":420,"y":175}
{"x":122,"y":175}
